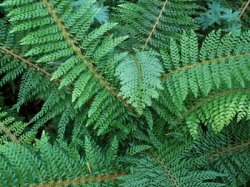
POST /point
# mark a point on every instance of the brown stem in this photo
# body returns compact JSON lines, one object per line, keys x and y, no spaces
{"x":171,"y":176}
{"x":244,"y":8}
{"x":27,"y":62}
{"x":230,"y":149}
{"x":80,"y":181}
{"x":157,"y":22}
{"x":7,"y":131}
{"x":190,"y":66}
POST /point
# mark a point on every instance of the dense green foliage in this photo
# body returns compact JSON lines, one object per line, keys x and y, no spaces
{"x":124,"y":93}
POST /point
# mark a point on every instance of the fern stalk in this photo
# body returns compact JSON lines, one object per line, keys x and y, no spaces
{"x":243,"y":10}
{"x":7,"y":131}
{"x":230,"y":149}
{"x":27,"y":62}
{"x":157,"y":22}
{"x":213,"y":60}
{"x":80,"y":181}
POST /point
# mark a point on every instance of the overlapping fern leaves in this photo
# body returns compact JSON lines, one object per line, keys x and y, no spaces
{"x":77,"y":60}
{"x":102,"y":87}
{"x":175,"y":163}
{"x":75,"y":55}
{"x":64,"y":35}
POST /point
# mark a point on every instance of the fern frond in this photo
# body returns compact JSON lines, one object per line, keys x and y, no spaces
{"x":221,"y":63}
{"x":218,"y":110}
{"x":142,"y":102}
{"x":76,"y":63}
{"x":163,"y":167}
{"x":140,"y":79}
{"x":45,"y":164}
{"x":230,"y":156}
{"x":24,"y":61}
{"x":153,"y":22}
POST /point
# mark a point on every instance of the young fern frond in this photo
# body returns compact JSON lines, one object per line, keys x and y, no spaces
{"x":140,"y":79}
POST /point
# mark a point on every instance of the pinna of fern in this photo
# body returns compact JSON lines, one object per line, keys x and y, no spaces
{"x":218,"y":110}
{"x":140,"y":79}
{"x":195,"y":76}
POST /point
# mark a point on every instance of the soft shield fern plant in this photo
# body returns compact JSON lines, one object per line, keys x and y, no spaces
{"x":126,"y":93}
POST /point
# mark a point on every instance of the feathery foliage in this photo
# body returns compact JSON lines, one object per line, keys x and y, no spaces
{"x":124,"y":93}
{"x":202,"y":82}
{"x":165,"y":168}
{"x":53,"y":165}
{"x":217,"y":14}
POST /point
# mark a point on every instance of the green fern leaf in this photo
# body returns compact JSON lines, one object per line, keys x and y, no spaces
{"x":140,"y":79}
